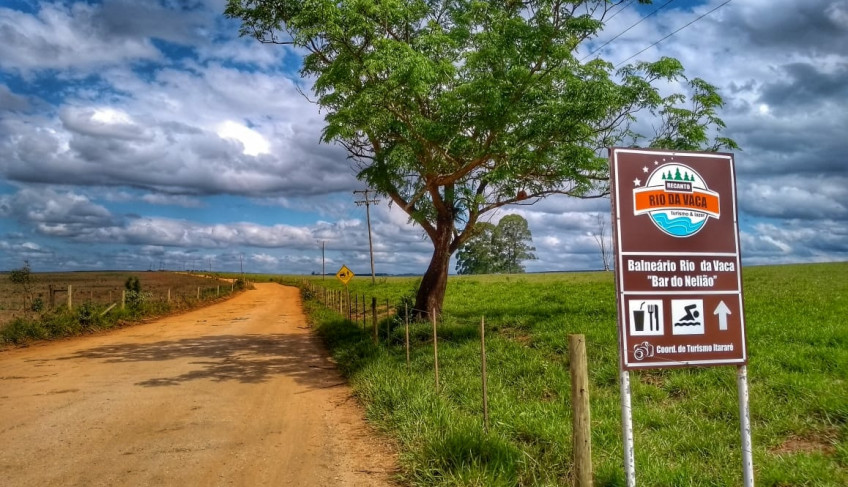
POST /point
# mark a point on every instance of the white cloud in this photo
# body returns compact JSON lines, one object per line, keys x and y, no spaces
{"x":265,"y":259}
{"x":100,"y":98}
{"x":64,"y":37}
{"x":252,"y":141}
{"x":172,"y":200}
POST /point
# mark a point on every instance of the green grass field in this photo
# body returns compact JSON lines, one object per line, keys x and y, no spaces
{"x":686,"y":424}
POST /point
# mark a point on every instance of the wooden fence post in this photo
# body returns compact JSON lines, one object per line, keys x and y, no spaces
{"x":198,"y":292}
{"x":70,"y":297}
{"x":364,"y":313}
{"x":406,"y":314}
{"x":374,"y":318}
{"x":435,"y":350}
{"x":123,"y":299}
{"x":581,"y":427}
{"x":169,"y":295}
{"x":485,"y":378}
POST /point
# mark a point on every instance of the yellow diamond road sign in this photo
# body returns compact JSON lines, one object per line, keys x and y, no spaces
{"x":345,"y":274}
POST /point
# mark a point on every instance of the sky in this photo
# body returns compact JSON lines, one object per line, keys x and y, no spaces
{"x":145,"y":134}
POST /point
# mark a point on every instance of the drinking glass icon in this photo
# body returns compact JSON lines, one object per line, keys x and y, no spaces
{"x":639,"y":319}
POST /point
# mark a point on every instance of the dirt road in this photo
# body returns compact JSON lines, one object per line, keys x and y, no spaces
{"x":238,"y":393}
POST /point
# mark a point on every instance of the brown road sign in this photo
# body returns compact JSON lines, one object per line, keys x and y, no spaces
{"x":677,"y":267}
{"x":345,"y":275}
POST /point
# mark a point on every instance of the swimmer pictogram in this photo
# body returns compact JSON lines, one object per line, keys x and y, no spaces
{"x":687,"y":316}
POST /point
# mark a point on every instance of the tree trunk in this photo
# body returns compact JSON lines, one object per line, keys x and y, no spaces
{"x":431,"y":292}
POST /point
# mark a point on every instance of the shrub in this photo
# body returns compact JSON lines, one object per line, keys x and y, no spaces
{"x":37,"y":305}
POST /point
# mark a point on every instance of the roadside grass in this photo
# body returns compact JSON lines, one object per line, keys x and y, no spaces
{"x":686,"y":424}
{"x":100,"y":313}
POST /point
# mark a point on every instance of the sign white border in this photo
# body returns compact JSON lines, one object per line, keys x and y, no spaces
{"x":645,"y":364}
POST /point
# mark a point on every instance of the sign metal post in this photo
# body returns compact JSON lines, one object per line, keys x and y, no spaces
{"x":677,"y":272}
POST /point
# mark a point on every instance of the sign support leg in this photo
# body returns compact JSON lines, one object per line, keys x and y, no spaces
{"x":745,"y":424}
{"x":627,"y":429}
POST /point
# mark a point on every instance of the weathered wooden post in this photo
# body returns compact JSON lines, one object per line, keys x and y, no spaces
{"x":581,"y":427}
{"x":374,"y":318}
{"x":406,"y":315}
{"x":388,"y":323}
{"x":198,"y":292}
{"x":123,"y":299}
{"x":169,"y":295}
{"x":435,"y":350}
{"x":70,"y":297}
{"x":484,"y":373}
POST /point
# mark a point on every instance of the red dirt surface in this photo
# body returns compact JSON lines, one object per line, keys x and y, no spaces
{"x":238,"y":393}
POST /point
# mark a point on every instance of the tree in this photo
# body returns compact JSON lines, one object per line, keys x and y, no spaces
{"x":602,"y":240}
{"x":513,"y":240}
{"x":497,"y":249}
{"x":24,"y":280}
{"x":454,"y":108}
{"x":477,"y":255}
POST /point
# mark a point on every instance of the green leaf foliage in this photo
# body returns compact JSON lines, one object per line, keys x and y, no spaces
{"x":454,"y":108}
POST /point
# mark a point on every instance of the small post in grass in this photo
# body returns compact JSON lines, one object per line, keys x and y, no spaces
{"x":406,"y":315}
{"x":435,"y":350}
{"x":485,"y":377}
{"x":581,"y":428}
{"x":123,"y":299}
{"x":374,"y":318}
{"x":70,"y":297}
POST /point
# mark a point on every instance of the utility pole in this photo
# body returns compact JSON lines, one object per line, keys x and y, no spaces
{"x":322,"y":260}
{"x":368,"y":202}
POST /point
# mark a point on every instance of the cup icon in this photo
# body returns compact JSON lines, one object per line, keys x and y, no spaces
{"x":639,"y":319}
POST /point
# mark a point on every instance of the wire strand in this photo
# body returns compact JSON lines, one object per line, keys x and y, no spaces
{"x":675,"y":32}
{"x":627,"y":29}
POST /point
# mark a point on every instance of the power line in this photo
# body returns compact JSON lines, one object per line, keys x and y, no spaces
{"x":620,"y":10}
{"x":627,"y":29}
{"x":675,"y":32}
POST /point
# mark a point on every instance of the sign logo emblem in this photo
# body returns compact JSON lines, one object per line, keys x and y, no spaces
{"x":677,"y":199}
